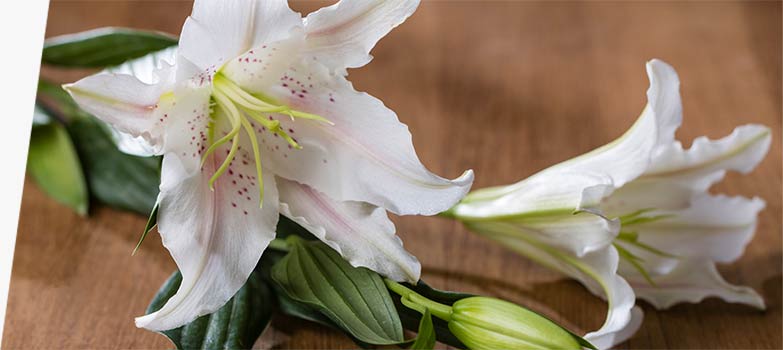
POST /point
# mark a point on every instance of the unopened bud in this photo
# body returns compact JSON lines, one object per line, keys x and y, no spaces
{"x":489,"y":323}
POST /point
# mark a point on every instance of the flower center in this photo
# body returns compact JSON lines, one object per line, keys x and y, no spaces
{"x":631,"y":238}
{"x":239,"y":106}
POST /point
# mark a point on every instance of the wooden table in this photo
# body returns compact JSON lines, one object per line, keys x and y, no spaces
{"x":505,"y":88}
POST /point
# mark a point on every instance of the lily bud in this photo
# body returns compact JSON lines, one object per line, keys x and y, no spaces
{"x":489,"y":323}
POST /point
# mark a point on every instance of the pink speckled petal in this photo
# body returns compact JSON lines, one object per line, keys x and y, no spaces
{"x":341,"y":36}
{"x":360,"y":232}
{"x":126,"y":97}
{"x":215,"y":237}
{"x":218,"y":31}
{"x":366,"y":156}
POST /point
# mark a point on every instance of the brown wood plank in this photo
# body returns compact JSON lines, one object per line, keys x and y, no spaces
{"x":505,"y":88}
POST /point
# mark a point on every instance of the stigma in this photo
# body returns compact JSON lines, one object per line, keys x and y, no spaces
{"x":241,"y":109}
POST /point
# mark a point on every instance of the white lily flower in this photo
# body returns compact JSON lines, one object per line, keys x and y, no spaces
{"x":635,"y":210}
{"x":254,"y":117}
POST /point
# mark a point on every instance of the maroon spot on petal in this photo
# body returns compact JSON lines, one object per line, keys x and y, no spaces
{"x":233,"y":204}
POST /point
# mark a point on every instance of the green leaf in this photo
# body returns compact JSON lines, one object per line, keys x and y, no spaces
{"x":117,"y":179}
{"x":103,"y":47}
{"x":425,"y":339}
{"x":297,"y":309}
{"x":54,"y":164}
{"x":356,"y":299}
{"x":236,"y":325}
{"x":151,"y":222}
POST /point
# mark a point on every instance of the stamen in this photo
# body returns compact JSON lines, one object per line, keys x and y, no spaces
{"x":234,"y":130}
{"x":237,"y":94}
{"x":303,"y":115}
{"x":238,"y":106}
{"x":256,"y":155}
{"x":274,"y":127}
{"x":246,"y":100}
{"x":235,"y":118}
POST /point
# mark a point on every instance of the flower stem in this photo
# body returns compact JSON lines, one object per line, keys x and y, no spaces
{"x":417,"y":302}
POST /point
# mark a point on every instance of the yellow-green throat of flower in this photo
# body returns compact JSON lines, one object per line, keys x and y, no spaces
{"x":240,"y":107}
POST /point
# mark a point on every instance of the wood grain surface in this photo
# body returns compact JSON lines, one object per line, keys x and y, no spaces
{"x":505,"y":88}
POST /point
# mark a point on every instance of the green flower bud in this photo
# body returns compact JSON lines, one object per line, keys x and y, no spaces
{"x":489,"y":323}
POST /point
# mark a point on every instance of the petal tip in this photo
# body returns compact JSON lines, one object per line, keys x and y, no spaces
{"x":466,"y":179}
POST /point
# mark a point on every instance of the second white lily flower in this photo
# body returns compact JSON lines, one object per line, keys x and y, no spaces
{"x":254,"y":118}
{"x":633,"y":217}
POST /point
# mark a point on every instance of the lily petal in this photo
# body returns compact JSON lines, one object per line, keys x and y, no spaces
{"x":341,"y":36}
{"x":367,"y":155}
{"x":597,"y":271}
{"x":714,"y":227}
{"x":217,"y":31}
{"x":151,"y":68}
{"x":360,"y":232}
{"x":582,"y":183}
{"x":147,"y":69}
{"x":126,"y":97}
{"x":627,"y":157}
{"x":676,"y":174}
{"x":692,"y":281}
{"x":215,"y":237}
{"x":663,"y":97}
{"x":557,"y":210}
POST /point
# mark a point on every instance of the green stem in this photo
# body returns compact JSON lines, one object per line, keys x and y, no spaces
{"x":417,"y":302}
{"x":448,"y":213}
{"x":279,"y":244}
